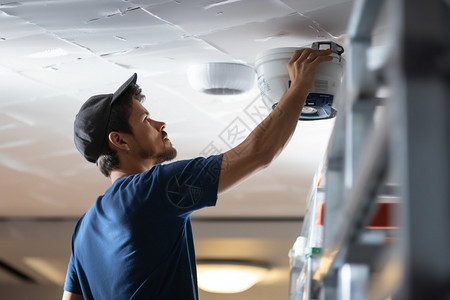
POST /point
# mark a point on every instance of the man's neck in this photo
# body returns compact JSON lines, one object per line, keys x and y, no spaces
{"x":124,"y":172}
{"x":116,"y":174}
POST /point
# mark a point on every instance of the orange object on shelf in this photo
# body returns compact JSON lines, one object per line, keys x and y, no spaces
{"x":320,"y":213}
{"x":383,"y":216}
{"x":381,"y":220}
{"x":320,"y":180}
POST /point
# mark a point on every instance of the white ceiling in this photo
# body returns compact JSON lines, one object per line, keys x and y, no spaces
{"x":56,"y":54}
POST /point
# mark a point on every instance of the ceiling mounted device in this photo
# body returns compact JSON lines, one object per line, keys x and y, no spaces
{"x":221,"y":78}
{"x":222,"y":276}
{"x":273,"y":80}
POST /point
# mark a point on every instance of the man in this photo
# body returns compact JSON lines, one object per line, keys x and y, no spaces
{"x":136,"y":241}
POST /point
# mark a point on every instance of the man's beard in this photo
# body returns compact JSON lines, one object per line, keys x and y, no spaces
{"x":168,"y":154}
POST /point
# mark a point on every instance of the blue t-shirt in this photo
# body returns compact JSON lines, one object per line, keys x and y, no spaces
{"x":136,"y":241}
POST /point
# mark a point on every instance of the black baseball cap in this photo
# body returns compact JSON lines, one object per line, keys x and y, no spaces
{"x":91,"y":122}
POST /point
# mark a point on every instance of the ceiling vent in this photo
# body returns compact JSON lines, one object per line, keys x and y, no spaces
{"x":221,"y":78}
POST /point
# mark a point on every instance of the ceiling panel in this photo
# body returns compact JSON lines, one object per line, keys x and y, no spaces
{"x":332,"y":23}
{"x":245,"y":41}
{"x":305,"y":6}
{"x":198,"y":17}
{"x":120,"y":33}
{"x":67,"y":14}
{"x":38,"y":51}
{"x":66,"y":51}
{"x":20,"y":90}
{"x":15,"y":27}
{"x":170,"y":57}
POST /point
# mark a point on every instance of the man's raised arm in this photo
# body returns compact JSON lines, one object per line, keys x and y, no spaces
{"x":270,"y":137}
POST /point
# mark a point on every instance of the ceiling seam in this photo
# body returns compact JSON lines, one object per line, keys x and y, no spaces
{"x":187,"y":34}
{"x":316,"y":26}
{"x":55,"y":35}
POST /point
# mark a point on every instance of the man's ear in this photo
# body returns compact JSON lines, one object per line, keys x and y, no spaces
{"x":118,"y":141}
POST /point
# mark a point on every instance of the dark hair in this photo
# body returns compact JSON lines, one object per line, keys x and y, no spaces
{"x":118,"y":121}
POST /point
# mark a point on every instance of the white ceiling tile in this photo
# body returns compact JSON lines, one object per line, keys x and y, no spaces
{"x":14,"y":27}
{"x":150,"y":3}
{"x":336,"y":24}
{"x":117,"y":41}
{"x":106,"y":42}
{"x":174,"y":56}
{"x":246,"y":41}
{"x":303,"y":6}
{"x":120,"y":33}
{"x":297,"y":163}
{"x":202,"y":16}
{"x":19,"y":54}
{"x":96,"y":73}
{"x":46,"y":112}
{"x":105,"y":34}
{"x":66,"y":14}
{"x":12,"y":88}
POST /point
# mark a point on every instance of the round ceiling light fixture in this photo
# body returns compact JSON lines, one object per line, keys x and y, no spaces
{"x":221,"y":78}
{"x":218,"y":276}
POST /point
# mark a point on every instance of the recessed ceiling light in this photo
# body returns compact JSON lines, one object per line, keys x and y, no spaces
{"x":229,"y":276}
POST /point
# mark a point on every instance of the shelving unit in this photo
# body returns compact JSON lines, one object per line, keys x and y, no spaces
{"x":389,"y":156}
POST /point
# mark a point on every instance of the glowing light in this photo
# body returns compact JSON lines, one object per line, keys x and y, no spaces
{"x":229,"y":277}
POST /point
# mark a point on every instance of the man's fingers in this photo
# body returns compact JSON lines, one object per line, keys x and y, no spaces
{"x":308,"y":55}
{"x":314,"y":54}
{"x":296,"y":55}
{"x":319,"y":52}
{"x":305,"y":54}
{"x":322,"y":59}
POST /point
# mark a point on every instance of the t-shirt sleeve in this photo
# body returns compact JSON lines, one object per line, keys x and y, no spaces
{"x":72,"y":283}
{"x":192,"y":184}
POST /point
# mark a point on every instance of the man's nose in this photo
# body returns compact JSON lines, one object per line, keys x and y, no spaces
{"x":160,"y":125}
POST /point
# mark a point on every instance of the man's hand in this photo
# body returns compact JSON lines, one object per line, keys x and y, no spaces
{"x":303,"y":65}
{"x":270,"y":137}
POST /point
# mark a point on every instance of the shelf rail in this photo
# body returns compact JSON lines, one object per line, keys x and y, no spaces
{"x":392,"y":147}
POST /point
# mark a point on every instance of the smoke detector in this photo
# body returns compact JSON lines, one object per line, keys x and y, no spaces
{"x":273,"y":80}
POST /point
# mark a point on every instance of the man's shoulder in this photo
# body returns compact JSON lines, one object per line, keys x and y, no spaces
{"x":196,"y":162}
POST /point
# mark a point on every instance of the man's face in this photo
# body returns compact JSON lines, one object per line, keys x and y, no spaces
{"x":149,"y":141}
